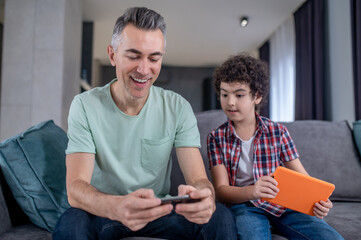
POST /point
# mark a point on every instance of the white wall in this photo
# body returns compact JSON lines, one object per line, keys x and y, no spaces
{"x":339,"y":60}
{"x":40,"y":62}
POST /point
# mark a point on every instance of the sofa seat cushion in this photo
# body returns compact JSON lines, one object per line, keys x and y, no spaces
{"x":33,"y":164}
{"x":328,"y":152}
{"x":345,"y":218}
{"x":26,"y":232}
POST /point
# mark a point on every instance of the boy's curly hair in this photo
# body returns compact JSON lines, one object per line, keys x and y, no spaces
{"x":243,"y":68}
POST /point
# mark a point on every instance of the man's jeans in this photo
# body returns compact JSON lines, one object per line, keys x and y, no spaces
{"x":78,"y":224}
{"x":254,"y":223}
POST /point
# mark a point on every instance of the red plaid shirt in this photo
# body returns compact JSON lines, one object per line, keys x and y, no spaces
{"x":272,"y":146}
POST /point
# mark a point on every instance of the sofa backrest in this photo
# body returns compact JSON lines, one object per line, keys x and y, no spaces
{"x":11,"y":214}
{"x":4,"y":213}
{"x":327,"y":151}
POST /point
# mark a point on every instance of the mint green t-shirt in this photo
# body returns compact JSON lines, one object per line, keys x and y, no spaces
{"x":131,"y":152}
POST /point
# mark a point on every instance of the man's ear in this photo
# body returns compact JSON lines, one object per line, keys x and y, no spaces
{"x":111,"y":54}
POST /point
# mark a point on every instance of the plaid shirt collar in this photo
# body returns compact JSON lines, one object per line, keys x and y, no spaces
{"x":261,"y":127}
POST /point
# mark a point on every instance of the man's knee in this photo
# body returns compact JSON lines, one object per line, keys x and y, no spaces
{"x":222,"y":224}
{"x":74,"y":223}
{"x":223,"y":213}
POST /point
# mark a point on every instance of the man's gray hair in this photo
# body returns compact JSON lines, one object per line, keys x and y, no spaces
{"x":141,"y":17}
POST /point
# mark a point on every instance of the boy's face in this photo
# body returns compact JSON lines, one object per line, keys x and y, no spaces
{"x":237,"y":101}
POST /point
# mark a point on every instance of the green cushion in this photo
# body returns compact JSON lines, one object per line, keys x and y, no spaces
{"x":357,"y":134}
{"x":33,"y":164}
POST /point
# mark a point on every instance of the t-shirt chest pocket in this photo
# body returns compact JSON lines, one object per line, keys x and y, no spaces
{"x":155,"y":153}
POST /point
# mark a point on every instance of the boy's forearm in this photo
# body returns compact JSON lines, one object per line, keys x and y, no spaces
{"x":296,"y":165}
{"x":234,"y":195}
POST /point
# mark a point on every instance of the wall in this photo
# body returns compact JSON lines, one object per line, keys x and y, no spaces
{"x":40,"y":69}
{"x":339,"y":61}
{"x":2,"y":9}
{"x":41,"y":62}
{"x":186,"y":81}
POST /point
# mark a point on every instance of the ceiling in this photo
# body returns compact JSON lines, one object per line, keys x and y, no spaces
{"x":199,"y":32}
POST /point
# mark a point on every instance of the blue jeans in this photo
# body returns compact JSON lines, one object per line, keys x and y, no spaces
{"x":254,"y":223}
{"x":78,"y":224}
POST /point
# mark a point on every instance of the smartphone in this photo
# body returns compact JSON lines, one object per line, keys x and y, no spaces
{"x":177,"y":199}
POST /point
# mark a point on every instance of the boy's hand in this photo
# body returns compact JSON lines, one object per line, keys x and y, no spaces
{"x":265,"y":187}
{"x":322,"y":208}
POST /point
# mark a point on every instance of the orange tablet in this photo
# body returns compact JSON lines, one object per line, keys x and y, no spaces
{"x":299,"y":192}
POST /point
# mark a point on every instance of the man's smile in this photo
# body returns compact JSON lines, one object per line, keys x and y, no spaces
{"x":140,"y":80}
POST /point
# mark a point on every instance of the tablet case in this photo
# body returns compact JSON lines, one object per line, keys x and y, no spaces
{"x":299,"y":192}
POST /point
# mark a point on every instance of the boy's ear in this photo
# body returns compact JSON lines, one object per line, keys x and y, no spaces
{"x":258,"y":99}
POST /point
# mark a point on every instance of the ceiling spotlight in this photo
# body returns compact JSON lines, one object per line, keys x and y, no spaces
{"x":244,"y":21}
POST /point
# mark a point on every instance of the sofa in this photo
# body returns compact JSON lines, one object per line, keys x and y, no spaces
{"x":328,"y":151}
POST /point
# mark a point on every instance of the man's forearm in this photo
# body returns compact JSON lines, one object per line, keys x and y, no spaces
{"x":204,"y":183}
{"x":86,"y":197}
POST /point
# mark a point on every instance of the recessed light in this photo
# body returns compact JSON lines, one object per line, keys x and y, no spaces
{"x":244,"y":21}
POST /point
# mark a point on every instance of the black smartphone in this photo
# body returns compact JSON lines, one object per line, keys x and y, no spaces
{"x":177,"y":199}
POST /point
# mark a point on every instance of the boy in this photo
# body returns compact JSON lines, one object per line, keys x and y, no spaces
{"x":244,"y":152}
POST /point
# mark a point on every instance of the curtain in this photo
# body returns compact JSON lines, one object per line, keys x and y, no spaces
{"x":356,"y":44}
{"x":310,"y":66}
{"x":282,"y":61}
{"x":264,"y":55}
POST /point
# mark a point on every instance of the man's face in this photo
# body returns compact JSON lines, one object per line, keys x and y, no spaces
{"x":137,"y":60}
{"x":237,"y":101}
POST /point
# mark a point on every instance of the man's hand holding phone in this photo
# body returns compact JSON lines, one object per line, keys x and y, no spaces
{"x":201,"y":209}
{"x":138,"y":208}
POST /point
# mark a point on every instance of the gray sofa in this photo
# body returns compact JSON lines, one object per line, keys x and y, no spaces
{"x":327,"y":150}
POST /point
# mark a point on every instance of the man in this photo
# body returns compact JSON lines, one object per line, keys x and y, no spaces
{"x":120,"y":140}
